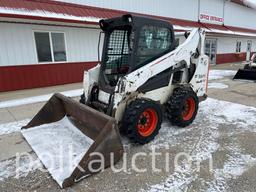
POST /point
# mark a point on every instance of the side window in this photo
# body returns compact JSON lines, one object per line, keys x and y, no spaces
{"x":238,"y":46}
{"x":153,"y":41}
{"x":58,"y":47}
{"x":43,"y":47}
{"x":50,"y":47}
{"x":117,"y":52}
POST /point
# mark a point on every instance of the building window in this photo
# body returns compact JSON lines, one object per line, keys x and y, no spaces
{"x":50,"y":46}
{"x":238,"y":46}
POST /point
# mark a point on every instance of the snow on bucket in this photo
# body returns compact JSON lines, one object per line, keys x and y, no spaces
{"x":65,"y":136}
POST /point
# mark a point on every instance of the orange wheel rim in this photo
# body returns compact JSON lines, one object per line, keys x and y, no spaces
{"x":147,"y":122}
{"x":189,"y":109}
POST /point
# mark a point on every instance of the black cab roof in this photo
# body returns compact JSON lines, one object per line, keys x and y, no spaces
{"x":134,"y":21}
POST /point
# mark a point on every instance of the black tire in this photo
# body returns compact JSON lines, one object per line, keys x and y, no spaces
{"x":82,"y":99}
{"x":182,"y":107}
{"x":142,"y":121}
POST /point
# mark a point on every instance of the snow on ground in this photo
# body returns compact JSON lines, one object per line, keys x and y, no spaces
{"x":245,"y":80}
{"x":213,"y":115}
{"x":234,"y":167}
{"x":59,"y":145}
{"x":19,"y":167}
{"x":12,"y":127}
{"x":224,"y":112}
{"x":37,"y":99}
{"x":220,"y":74}
{"x":217,"y":86}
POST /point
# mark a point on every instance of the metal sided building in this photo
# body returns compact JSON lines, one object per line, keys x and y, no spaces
{"x":45,"y":43}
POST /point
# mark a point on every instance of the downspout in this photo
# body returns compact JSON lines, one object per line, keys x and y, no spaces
{"x":223,"y":15}
{"x":199,"y":7}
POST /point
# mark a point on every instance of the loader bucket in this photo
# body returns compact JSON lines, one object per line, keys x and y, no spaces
{"x":73,"y":140}
{"x":246,"y":74}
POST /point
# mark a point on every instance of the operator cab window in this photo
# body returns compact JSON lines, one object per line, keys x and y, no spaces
{"x":119,"y":48}
{"x":153,"y":42}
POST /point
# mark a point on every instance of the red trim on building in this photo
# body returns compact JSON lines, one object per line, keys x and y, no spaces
{"x":239,"y":29}
{"x":41,"y":75}
{"x":214,"y":26}
{"x":230,"y":57}
{"x":240,"y":2}
{"x":60,"y":7}
{"x":29,"y":17}
{"x":56,"y":7}
{"x":243,"y":3}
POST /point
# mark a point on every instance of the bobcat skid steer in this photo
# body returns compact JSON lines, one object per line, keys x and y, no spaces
{"x":249,"y":70}
{"x":142,"y":75}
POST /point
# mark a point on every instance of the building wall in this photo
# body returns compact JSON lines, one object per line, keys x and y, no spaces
{"x":183,"y":9}
{"x":226,"y":48}
{"x":233,"y":14}
{"x":228,"y":44}
{"x":212,"y":7}
{"x":18,"y":45}
{"x":19,"y":67}
{"x":239,"y":16}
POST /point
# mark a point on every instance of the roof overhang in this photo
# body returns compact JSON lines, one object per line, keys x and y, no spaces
{"x":246,"y":3}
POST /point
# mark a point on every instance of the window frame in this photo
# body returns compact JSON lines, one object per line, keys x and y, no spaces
{"x":51,"y":46}
{"x":240,"y":47}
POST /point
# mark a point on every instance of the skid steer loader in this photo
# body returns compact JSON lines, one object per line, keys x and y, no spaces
{"x":142,"y":75}
{"x":249,"y":70}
